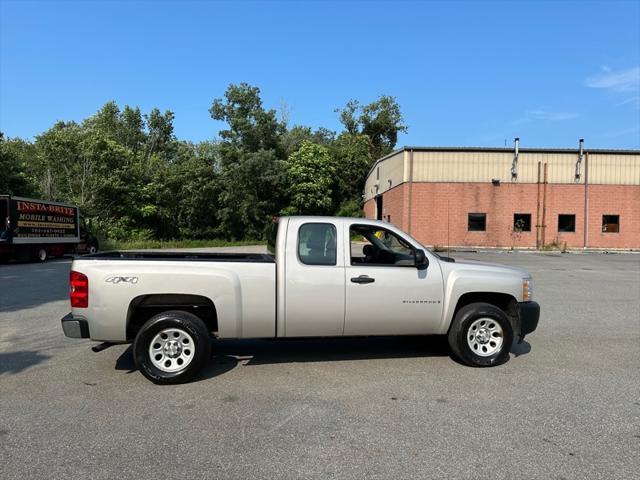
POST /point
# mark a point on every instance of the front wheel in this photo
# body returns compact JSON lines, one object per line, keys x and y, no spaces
{"x":481,"y":335}
{"x":172,"y":347}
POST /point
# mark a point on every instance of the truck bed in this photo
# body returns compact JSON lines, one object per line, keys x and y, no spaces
{"x":182,"y":256}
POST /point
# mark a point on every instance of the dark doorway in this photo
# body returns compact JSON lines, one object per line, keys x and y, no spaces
{"x":379,"y":207}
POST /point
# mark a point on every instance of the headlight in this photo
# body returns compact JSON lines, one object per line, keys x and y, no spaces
{"x":527,"y":290}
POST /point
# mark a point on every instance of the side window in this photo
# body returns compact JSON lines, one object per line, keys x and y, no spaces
{"x":477,"y":222}
{"x":521,"y":222}
{"x":371,"y":245}
{"x":611,"y":223}
{"x":566,"y":223}
{"x":317,"y":244}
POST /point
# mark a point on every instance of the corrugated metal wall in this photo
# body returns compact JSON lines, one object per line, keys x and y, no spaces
{"x":391,"y":173}
{"x":614,"y":169}
{"x":484,"y":166}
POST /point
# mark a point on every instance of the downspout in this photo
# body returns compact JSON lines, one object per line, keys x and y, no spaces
{"x":544,"y":206}
{"x":580,"y":157}
{"x":514,"y":163}
{"x":586,"y":200}
{"x":538,"y":220}
{"x":410,"y":190}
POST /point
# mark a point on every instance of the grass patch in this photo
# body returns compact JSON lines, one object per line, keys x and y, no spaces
{"x":157,"y":244}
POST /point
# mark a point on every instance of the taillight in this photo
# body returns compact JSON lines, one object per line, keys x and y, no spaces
{"x":78,"y":290}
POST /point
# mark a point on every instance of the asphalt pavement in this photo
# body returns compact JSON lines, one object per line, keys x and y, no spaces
{"x":566,"y":405}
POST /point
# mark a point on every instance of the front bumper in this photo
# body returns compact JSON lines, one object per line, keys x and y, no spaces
{"x":75,"y":327}
{"x":528,"y":314}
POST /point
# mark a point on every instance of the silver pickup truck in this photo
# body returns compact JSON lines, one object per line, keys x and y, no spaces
{"x":329,"y":277}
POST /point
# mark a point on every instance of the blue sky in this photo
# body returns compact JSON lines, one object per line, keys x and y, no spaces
{"x":464,"y":73}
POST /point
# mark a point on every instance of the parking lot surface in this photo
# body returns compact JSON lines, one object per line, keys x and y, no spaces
{"x":566,"y":405}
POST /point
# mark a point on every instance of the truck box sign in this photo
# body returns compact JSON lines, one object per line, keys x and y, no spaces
{"x":33,"y":219}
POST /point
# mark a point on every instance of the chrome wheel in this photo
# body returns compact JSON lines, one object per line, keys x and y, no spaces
{"x":171,"y":350}
{"x":42,"y":255}
{"x":92,"y":249}
{"x":485,"y":337}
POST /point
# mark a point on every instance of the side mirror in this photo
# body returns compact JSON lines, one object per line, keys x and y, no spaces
{"x":421,"y":260}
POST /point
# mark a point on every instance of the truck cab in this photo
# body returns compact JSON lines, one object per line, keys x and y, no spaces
{"x":356,"y":277}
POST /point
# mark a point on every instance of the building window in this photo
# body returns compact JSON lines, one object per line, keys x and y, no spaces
{"x":317,"y":244}
{"x":566,"y":223}
{"x":477,"y":222}
{"x":521,"y":222}
{"x":611,"y":223}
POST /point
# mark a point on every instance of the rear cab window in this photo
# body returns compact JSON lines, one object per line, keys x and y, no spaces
{"x":317,"y":244}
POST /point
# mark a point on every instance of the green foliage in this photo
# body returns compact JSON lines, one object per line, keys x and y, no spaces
{"x":350,"y":208}
{"x":251,"y":127}
{"x":163,"y":244}
{"x":293,"y":138}
{"x":251,"y":194}
{"x":381,"y":121}
{"x":310,"y":174}
{"x":14,"y":177}
{"x":352,"y":152}
{"x":136,"y":182}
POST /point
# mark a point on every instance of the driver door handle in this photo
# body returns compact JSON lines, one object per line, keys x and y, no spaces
{"x":362,"y":279}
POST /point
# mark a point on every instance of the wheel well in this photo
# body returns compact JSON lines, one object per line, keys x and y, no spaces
{"x":503,"y":301}
{"x":144,"y":307}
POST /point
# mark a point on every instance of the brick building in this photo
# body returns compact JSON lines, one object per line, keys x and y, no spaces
{"x":509,"y":197}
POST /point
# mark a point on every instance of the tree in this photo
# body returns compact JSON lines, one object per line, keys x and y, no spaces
{"x":73,"y":162}
{"x":381,"y":121}
{"x":293,"y":138}
{"x":310,"y":175}
{"x":160,"y":126}
{"x":14,"y":178}
{"x":352,"y":152}
{"x":132,"y":134}
{"x":251,"y":194}
{"x":251,"y":127}
{"x":251,"y":157}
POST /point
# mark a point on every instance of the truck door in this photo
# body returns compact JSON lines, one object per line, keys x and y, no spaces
{"x":385,"y":293}
{"x":314,"y":296}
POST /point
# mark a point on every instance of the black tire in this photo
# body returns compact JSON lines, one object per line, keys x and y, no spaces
{"x":39,"y":255}
{"x":184,"y":321}
{"x":460,"y":332}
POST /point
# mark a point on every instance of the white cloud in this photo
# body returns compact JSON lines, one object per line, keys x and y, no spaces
{"x":545,"y":114}
{"x":620,"y":133}
{"x":635,"y":101}
{"x":618,"y":81}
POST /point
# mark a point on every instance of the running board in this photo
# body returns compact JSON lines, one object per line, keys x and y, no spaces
{"x":102,"y":346}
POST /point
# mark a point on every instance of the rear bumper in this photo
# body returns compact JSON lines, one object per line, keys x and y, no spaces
{"x":529,"y":315}
{"x":75,"y":327}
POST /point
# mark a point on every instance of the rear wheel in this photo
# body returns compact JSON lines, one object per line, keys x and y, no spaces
{"x":40,"y":254}
{"x":172,"y":347}
{"x":481,"y":335}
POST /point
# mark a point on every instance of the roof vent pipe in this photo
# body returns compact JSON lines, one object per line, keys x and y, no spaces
{"x":580,"y":157}
{"x":514,"y":164}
